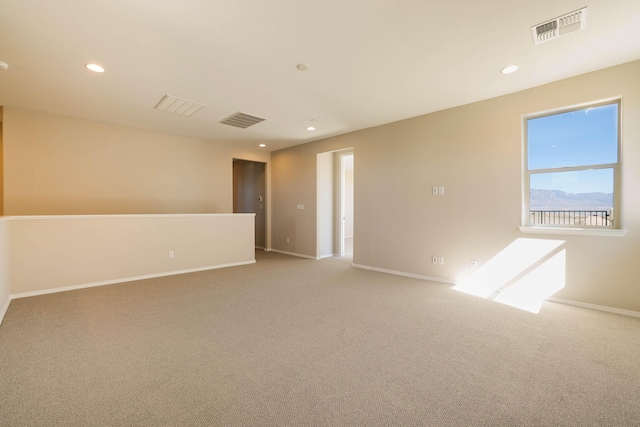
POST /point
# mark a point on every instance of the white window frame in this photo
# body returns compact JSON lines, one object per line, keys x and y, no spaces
{"x":611,"y":230}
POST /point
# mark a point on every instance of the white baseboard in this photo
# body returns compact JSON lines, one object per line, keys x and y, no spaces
{"x":401,"y":273}
{"x":556,"y":300}
{"x":292,"y":254}
{"x":326,"y":256}
{"x":596,"y":307}
{"x":4,"y":309}
{"x":127,"y":279}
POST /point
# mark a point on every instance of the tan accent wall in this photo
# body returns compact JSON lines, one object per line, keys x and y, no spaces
{"x":55,"y":252}
{"x":5,"y":289}
{"x":1,"y":169}
{"x":475,"y":151}
{"x":57,"y":165}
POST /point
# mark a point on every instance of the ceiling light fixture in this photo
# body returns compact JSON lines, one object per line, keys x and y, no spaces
{"x":95,"y":68}
{"x":510,"y":69}
{"x":311,"y":128}
{"x":262,"y":145}
{"x":303,"y":67}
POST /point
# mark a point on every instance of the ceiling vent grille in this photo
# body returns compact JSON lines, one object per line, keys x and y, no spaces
{"x":560,"y":26}
{"x":241,"y":120}
{"x":172,"y":104}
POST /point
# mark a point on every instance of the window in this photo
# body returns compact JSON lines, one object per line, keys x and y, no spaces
{"x":571,"y":177}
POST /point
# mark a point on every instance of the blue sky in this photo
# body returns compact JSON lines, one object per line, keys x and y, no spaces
{"x":576,"y":138}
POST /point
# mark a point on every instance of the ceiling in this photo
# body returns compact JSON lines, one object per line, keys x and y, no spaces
{"x":371,"y":61}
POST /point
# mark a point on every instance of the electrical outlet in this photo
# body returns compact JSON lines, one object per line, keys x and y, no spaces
{"x":288,"y":240}
{"x":441,"y":260}
{"x":474,"y":263}
{"x":171,"y":255}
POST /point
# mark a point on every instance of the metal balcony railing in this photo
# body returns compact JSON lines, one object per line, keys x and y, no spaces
{"x":597,"y":218}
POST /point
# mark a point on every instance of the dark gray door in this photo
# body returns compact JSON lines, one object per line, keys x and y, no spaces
{"x":249,"y":186}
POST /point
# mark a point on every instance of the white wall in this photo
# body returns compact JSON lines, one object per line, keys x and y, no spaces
{"x":5,"y":290}
{"x":49,"y":253}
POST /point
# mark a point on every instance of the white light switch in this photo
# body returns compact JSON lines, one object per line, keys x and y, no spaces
{"x":434,"y":191}
{"x":441,"y":190}
{"x":300,"y":207}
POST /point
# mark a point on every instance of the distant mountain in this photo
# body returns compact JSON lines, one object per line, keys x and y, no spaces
{"x":555,"y":200}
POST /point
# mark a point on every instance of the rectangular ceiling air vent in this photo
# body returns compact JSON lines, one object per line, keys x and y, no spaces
{"x":560,"y":26}
{"x":241,"y":120}
{"x":172,"y":104}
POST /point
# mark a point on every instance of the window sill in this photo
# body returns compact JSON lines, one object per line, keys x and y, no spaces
{"x":608,"y":232}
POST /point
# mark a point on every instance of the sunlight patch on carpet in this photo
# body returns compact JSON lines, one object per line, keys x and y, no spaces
{"x":522,"y":275}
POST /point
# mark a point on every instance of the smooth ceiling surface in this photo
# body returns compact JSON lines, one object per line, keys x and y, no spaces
{"x":371,"y":61}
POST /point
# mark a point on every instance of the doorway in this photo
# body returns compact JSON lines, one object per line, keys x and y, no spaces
{"x":249,"y":189}
{"x":346,"y":205}
{"x":335,"y":206}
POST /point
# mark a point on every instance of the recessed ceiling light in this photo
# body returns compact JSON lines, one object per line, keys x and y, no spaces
{"x":262,"y":145}
{"x":95,"y":68}
{"x":311,"y":128}
{"x":510,"y":69}
{"x":303,"y":67}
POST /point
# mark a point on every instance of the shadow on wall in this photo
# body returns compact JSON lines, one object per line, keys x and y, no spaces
{"x":522,"y":275}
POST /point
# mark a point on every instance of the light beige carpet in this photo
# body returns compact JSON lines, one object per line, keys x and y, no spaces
{"x":295,"y":342}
